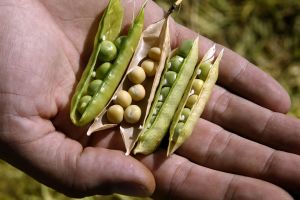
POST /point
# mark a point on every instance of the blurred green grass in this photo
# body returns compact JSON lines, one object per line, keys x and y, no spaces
{"x":265,"y":32}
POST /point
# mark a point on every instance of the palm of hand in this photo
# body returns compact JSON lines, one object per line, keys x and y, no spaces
{"x":42,"y":50}
{"x":42,"y":47}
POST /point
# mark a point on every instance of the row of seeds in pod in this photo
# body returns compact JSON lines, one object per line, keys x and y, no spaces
{"x":173,"y":68}
{"x":107,"y":53}
{"x":193,"y":95}
{"x":132,"y":113}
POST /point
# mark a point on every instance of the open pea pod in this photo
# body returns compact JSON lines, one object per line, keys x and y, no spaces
{"x":153,"y":49}
{"x":193,"y":102}
{"x":107,"y":64}
{"x":178,"y":71}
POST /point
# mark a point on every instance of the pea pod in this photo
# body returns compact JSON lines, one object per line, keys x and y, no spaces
{"x":169,"y":94}
{"x":193,"y":102}
{"x":108,"y":31}
{"x":154,"y":37}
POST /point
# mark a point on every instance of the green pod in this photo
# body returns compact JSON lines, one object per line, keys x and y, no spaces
{"x":155,"y":129}
{"x":109,"y":29}
{"x":179,"y":131}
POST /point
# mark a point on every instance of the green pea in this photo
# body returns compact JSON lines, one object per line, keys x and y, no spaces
{"x":176,"y":63}
{"x":154,"y":53}
{"x":178,"y":129}
{"x":157,"y":108}
{"x":185,"y":48}
{"x":115,"y":114}
{"x":119,"y":41}
{"x":137,"y":92}
{"x":197,"y":86}
{"x":185,"y":114}
{"x":132,"y":114}
{"x":153,"y":117}
{"x":94,"y":87}
{"x":108,"y":51}
{"x":84,"y":101}
{"x":204,"y":67}
{"x":191,"y":101}
{"x":164,"y":93}
{"x":102,"y":71}
{"x":170,"y":78}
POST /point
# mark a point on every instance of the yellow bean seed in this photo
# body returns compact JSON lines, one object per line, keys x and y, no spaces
{"x":132,"y":114}
{"x":115,"y":114}
{"x":137,"y":75}
{"x":123,"y":99}
{"x":197,"y":86}
{"x":149,"y":67}
{"x":191,"y":101}
{"x":154,"y":53}
{"x":137,"y":92}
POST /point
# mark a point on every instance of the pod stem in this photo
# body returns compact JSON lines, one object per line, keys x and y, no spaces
{"x":174,"y":7}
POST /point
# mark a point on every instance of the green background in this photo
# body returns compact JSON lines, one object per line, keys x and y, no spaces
{"x":265,"y":32}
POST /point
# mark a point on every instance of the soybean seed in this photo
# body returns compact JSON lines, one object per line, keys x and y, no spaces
{"x":197,"y":86}
{"x":102,"y":70}
{"x":154,"y":53}
{"x":137,"y":75}
{"x":149,"y":67}
{"x":123,"y":99}
{"x":191,"y":101}
{"x":108,"y":51}
{"x":132,"y":114}
{"x":137,"y":92}
{"x":164,"y":93}
{"x":115,"y":114}
{"x":170,"y":78}
{"x":84,"y":101}
{"x":94,"y":87}
{"x":185,"y":48}
{"x":176,"y":63}
{"x":185,"y":114}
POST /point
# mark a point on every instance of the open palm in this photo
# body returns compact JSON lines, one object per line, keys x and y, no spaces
{"x":43,"y":48}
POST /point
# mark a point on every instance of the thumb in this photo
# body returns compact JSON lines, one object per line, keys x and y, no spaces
{"x":64,"y":165}
{"x":106,"y":171}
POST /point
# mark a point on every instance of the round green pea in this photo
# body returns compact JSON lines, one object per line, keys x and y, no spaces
{"x":191,"y":101}
{"x":119,"y":41}
{"x":176,"y":63}
{"x":185,"y":114}
{"x":83,"y":102}
{"x":178,"y":129}
{"x":204,"y":67}
{"x":170,"y":78}
{"x":152,"y":119}
{"x":132,"y":114}
{"x":108,"y":51}
{"x":115,"y":114}
{"x":157,"y":108}
{"x":164,"y":93}
{"x":197,"y":86}
{"x":101,"y":71}
{"x":185,"y":48}
{"x":94,"y":87}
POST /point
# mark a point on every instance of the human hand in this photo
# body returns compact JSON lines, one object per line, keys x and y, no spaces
{"x":43,"y":46}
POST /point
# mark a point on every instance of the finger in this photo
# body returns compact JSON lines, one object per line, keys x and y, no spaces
{"x":64,"y":165}
{"x":240,"y":76}
{"x":252,"y":121}
{"x":216,"y":148}
{"x":178,"y":178}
